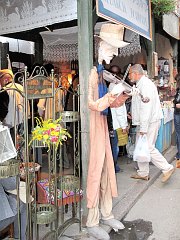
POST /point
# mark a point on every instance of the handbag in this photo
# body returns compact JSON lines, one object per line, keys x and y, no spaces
{"x":141,"y":151}
{"x":122,"y":137}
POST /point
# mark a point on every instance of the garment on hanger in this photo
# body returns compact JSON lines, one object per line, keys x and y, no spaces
{"x":45,"y":105}
{"x":15,"y":113}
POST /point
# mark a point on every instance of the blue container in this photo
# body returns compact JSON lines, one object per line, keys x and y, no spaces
{"x":163,"y":141}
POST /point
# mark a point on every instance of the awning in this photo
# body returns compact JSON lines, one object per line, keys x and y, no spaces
{"x":62,"y":44}
{"x":21,"y":15}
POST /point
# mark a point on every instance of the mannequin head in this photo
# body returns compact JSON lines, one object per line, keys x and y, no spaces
{"x":6,"y":76}
{"x":106,"y":52}
{"x":111,"y":39}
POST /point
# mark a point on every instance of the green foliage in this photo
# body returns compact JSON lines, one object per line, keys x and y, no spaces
{"x":160,"y":7}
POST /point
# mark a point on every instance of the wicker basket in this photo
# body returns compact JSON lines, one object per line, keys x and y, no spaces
{"x":45,"y":214}
{"x":9,"y":168}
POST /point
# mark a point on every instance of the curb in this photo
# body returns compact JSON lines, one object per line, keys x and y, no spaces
{"x":123,"y":204}
{"x":127,"y":201}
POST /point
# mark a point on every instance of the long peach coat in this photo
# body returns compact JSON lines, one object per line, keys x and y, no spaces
{"x":99,"y":141}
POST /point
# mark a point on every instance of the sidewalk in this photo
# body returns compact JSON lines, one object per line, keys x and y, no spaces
{"x":130,"y":190}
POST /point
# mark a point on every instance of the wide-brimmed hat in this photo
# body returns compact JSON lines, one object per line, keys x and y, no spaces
{"x":113,"y":34}
{"x":6,"y":71}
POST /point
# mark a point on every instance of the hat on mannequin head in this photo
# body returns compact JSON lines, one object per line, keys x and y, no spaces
{"x":113,"y":34}
{"x":6,"y":76}
{"x":6,"y":71}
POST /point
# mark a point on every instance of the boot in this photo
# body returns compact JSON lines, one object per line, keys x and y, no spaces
{"x":115,"y":224}
{"x":98,"y":233}
{"x":178,"y":163}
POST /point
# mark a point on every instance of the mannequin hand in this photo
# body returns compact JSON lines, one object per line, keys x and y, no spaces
{"x":177,"y":105}
{"x":117,"y":89}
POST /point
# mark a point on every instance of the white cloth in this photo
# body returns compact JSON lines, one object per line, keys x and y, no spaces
{"x":143,"y":114}
{"x":156,"y":157}
{"x":45,"y":105}
{"x":26,"y":15}
{"x":119,"y":117}
{"x":168,"y":114}
{"x":15,"y":113}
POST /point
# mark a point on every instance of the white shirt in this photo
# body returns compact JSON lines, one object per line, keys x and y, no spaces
{"x":119,"y":115}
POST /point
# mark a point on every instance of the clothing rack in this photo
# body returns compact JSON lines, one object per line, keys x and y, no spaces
{"x":53,"y":213}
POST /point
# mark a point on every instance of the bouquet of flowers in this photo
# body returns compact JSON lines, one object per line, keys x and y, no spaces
{"x":49,"y":132}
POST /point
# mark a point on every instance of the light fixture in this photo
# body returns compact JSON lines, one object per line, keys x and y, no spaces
{"x":70,"y":78}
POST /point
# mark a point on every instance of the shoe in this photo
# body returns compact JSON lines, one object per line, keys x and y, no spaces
{"x":98,"y":233}
{"x":178,"y":163}
{"x":167,"y":175}
{"x":117,"y":168}
{"x":136,"y":176}
{"x":114,"y":223}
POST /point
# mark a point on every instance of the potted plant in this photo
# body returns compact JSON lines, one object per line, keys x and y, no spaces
{"x":160,"y":7}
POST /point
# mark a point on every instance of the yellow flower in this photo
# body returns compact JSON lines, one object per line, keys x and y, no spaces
{"x":53,"y":133}
{"x":50,"y":132}
{"x":45,"y":137}
{"x":39,"y":137}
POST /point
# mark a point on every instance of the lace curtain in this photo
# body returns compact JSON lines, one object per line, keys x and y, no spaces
{"x":68,"y":52}
{"x":132,"y":48}
{"x":60,"y":52}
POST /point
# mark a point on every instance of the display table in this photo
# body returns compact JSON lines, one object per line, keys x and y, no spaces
{"x":163,"y":141}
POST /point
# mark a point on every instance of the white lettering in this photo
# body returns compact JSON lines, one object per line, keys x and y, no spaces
{"x":138,"y":17}
{"x":117,"y":4}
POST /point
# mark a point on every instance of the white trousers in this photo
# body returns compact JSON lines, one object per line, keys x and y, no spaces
{"x":156,"y":157}
{"x":104,"y":203}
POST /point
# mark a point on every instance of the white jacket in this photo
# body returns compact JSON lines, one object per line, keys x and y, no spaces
{"x":144,"y":114}
{"x":119,"y":115}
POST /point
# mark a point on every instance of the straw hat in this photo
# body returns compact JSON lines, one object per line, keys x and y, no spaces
{"x":6,"y":71}
{"x":113,"y":34}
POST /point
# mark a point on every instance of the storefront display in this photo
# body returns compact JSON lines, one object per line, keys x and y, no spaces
{"x":165,"y":132}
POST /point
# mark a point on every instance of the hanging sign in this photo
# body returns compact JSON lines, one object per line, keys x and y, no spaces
{"x":133,"y":14}
{"x":171,"y":25}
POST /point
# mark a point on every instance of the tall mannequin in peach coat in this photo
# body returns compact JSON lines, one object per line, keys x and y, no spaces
{"x":101,"y":180}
